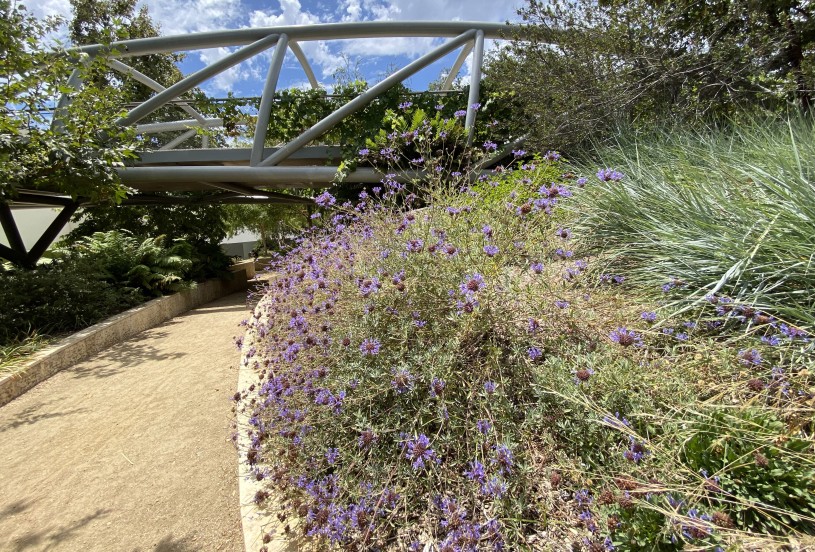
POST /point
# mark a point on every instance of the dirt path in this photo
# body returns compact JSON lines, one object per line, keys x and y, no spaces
{"x":129,"y":450}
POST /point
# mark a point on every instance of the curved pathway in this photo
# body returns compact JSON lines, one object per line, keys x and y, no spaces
{"x":130,"y":450}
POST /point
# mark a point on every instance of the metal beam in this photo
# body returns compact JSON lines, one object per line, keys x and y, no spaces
{"x":250,"y":175}
{"x":247,"y":191}
{"x":195,"y":79}
{"x":172,"y":126}
{"x":150,"y":83}
{"x":233,"y":155}
{"x":178,"y":140}
{"x":475,"y":85}
{"x":11,"y":255}
{"x":42,"y":199}
{"x":226,"y":198}
{"x":301,"y":57}
{"x":11,"y":230}
{"x":366,"y":97}
{"x":300,"y":33}
{"x":265,"y":109}
{"x":462,"y":57}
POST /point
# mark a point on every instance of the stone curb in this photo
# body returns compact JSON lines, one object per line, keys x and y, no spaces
{"x":98,"y":337}
{"x":256,"y":522}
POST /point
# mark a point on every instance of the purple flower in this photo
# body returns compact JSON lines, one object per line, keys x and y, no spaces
{"x":490,"y":146}
{"x":476,"y":472}
{"x":402,"y":380}
{"x":370,"y":346}
{"x":534,"y":353}
{"x":475,"y":106}
{"x":364,"y":151}
{"x":537,"y":268}
{"x":460,"y":113}
{"x":636,"y":450}
{"x":491,"y":250}
{"x":551,"y":156}
{"x":771,"y":340}
{"x":495,"y":487}
{"x":609,"y":175}
{"x":332,"y":455}
{"x":750,"y":357}
{"x":489,"y":387}
{"x":437,"y":385}
{"x":414,"y":245}
{"x":483,"y":426}
{"x":581,"y":182}
{"x":419,"y":452}
{"x":405,"y":105}
{"x":625,"y":337}
{"x":366,"y":438}
{"x":487,"y":230}
{"x":534,"y":325}
{"x":562,"y":304}
{"x":648,"y":316}
{"x":325,"y":199}
{"x":519,"y":153}
{"x":473,"y":283}
{"x":369,"y":286}
{"x":503,"y":459}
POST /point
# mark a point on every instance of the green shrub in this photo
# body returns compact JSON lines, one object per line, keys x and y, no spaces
{"x":766,"y":473}
{"x":125,"y":262}
{"x":57,"y":297}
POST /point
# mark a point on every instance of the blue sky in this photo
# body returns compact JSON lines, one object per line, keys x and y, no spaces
{"x":371,"y":58}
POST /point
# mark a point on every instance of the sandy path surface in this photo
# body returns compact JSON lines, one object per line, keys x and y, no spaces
{"x":129,"y":450}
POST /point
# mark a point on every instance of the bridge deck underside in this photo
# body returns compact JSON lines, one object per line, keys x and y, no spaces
{"x":199,"y":169}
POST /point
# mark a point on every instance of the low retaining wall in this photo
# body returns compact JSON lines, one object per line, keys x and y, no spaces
{"x":99,"y":337}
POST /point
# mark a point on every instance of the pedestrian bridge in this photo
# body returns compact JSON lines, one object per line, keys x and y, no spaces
{"x":186,"y":161}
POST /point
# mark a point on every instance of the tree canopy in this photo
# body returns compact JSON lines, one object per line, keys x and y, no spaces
{"x":587,"y":66}
{"x":74,"y":149}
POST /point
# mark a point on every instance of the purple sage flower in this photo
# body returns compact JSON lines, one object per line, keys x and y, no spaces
{"x":370,"y":346}
{"x":418,"y":451}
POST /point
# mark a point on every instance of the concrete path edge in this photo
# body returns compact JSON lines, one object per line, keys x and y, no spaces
{"x":98,"y":337}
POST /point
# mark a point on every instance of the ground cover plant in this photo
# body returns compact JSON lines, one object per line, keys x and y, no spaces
{"x":439,"y":368}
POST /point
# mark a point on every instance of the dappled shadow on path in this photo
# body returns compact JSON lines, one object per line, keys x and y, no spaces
{"x":37,"y":413}
{"x":214,"y":310}
{"x":16,"y":507}
{"x":169,"y":544}
{"x":48,"y":538}
{"x":125,"y":355}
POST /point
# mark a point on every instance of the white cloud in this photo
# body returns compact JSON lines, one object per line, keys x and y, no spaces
{"x":226,"y":80}
{"x":291,"y":13}
{"x":193,"y":16}
{"x":46,"y":8}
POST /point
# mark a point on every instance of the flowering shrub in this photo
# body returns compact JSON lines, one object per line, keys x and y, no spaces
{"x":439,"y":372}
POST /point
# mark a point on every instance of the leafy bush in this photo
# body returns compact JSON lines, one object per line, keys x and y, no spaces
{"x":57,"y":297}
{"x":98,"y":276}
{"x":453,"y":376}
{"x":126,"y":262}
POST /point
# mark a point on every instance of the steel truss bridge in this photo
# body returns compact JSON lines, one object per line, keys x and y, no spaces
{"x":246,"y":175}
